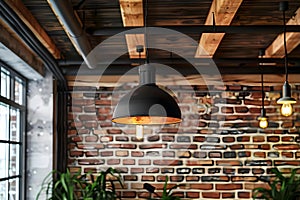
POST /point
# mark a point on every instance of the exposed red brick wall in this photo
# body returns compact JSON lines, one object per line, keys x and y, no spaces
{"x":218,"y":151}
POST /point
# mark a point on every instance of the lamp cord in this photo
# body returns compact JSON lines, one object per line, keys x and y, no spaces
{"x":285,"y":49}
{"x":145,"y":31}
{"x":262,"y":88}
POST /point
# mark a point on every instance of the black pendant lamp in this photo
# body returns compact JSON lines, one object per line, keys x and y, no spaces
{"x":286,"y":100}
{"x":147,"y":104}
{"x":263,"y":119}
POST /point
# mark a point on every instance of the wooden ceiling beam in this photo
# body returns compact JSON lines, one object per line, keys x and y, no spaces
{"x":224,"y":12}
{"x":133,"y":16}
{"x":276,"y":49}
{"x":30,"y":21}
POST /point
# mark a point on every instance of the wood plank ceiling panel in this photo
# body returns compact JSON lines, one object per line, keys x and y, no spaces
{"x":224,"y":11}
{"x":276,"y":49}
{"x":133,"y":16}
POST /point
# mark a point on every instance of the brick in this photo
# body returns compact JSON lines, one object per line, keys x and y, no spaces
{"x":113,"y":161}
{"x":90,"y":170}
{"x":183,"y":139}
{"x":241,"y":109}
{"x":258,"y":139}
{"x":211,"y":195}
{"x":193,"y":195}
{"x":114,"y":131}
{"x":176,"y":178}
{"x":198,"y":170}
{"x":91,"y":138}
{"x":201,"y":186}
{"x":122,"y":153}
{"x":166,"y":171}
{"x":77,"y":139}
{"x":128,"y":162}
{"x":87,"y":117}
{"x":168,"y":138}
{"x":183,"y":146}
{"x":145,"y":162}
{"x":227,"y":110}
{"x":91,"y":153}
{"x":199,"y":162}
{"x":231,"y":154}
{"x":258,"y":163}
{"x":287,"y":139}
{"x":287,"y":154}
{"x":198,"y":138}
{"x":273,"y":138}
{"x":152,"y":170}
{"x":118,"y":138}
{"x":90,"y":161}
{"x":202,"y":124}
{"x":251,"y":186}
{"x":243,"y":154}
{"x":148,"y":178}
{"x":214,"y":154}
{"x":128,"y":194}
{"x":130,"y":178}
{"x":228,"y":139}
{"x":168,"y":162}
{"x":170,"y":154}
{"x":259,"y":154}
{"x":192,"y":178}
{"x":184,"y":154}
{"x":228,"y":171}
{"x":105,"y":139}
{"x":258,"y":171}
{"x":236,"y":146}
{"x":136,"y":170}
{"x":214,"y":170}
{"x":212,"y":139}
{"x":286,"y":162}
{"x":243,"y":171}
{"x":273,"y":154}
{"x":213,"y":147}
{"x":72,"y":132}
{"x":255,"y":102}
{"x":298,"y":154}
{"x":229,"y":163}
{"x":214,"y":178}
{"x":184,"y":170}
{"x":90,"y":146}
{"x":226,"y":195}
{"x":229,"y":186}
{"x":106,"y":153}
{"x":286,"y":147}
{"x":74,"y":153}
{"x":244,"y":178}
{"x":264,"y":146}
{"x":153,"y":146}
{"x":288,"y":124}
{"x":137,"y":154}
{"x":82,"y":102}
{"x":244,"y":195}
{"x":153,"y":138}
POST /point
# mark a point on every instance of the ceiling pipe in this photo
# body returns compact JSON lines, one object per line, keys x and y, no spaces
{"x":255,"y":29}
{"x":64,"y":12}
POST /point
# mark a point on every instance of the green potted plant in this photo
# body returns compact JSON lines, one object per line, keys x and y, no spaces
{"x":63,"y":188}
{"x":103,"y":187}
{"x":167,"y":194}
{"x":281,"y":188}
{"x":68,"y":186}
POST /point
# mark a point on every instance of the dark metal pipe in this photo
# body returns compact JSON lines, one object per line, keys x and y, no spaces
{"x":258,"y":29}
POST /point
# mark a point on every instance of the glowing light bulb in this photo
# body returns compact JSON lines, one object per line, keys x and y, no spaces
{"x":286,"y":109}
{"x":263,"y":122}
{"x":139,"y":132}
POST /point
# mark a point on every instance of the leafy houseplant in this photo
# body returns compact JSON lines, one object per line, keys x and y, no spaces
{"x":103,"y":188}
{"x":68,"y":186}
{"x":281,"y":188}
{"x":167,"y":194}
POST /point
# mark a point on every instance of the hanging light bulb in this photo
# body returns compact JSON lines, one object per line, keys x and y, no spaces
{"x":139,"y":132}
{"x":263,"y":119}
{"x":286,"y":100}
{"x":286,"y":109}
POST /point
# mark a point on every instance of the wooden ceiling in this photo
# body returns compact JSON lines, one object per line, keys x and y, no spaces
{"x":230,"y":32}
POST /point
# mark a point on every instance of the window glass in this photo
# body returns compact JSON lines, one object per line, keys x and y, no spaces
{"x":5,"y":83}
{"x":4,"y":160}
{"x":3,"y":189}
{"x":14,"y":159}
{"x":18,"y":91}
{"x":14,"y":125}
{"x":4,"y":121}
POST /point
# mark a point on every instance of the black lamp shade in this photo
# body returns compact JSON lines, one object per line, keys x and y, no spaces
{"x":286,"y":95}
{"x":147,"y":105}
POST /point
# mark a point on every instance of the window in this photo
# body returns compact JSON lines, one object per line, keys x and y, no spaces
{"x":12,"y":120}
